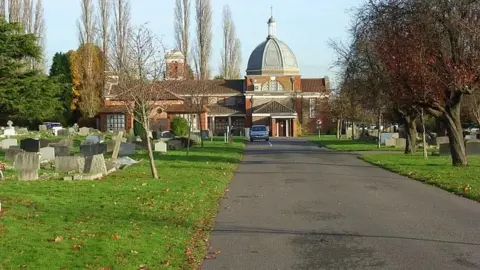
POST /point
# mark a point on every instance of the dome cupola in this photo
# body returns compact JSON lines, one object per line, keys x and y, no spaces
{"x":273,"y":56}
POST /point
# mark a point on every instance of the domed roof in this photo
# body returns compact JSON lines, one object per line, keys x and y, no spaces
{"x":272,"y":57}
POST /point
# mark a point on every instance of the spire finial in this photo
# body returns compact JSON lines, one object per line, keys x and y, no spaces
{"x":271,"y":24}
{"x":271,"y":11}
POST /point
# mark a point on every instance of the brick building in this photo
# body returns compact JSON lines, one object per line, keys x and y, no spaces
{"x":272,"y":93}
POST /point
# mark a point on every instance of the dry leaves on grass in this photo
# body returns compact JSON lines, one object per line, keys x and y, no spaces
{"x":116,"y":236}
{"x":58,"y":239}
{"x":76,"y":246}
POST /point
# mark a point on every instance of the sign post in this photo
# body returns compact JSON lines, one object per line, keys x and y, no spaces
{"x":319,"y":126}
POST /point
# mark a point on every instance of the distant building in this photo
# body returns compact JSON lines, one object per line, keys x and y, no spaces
{"x":272,"y":93}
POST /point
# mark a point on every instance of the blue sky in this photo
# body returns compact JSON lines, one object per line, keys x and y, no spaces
{"x":305,"y":25}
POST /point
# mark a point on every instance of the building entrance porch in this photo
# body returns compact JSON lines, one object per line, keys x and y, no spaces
{"x":282,"y":127}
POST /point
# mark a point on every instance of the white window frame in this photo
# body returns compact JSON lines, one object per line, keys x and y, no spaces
{"x":116,"y":122}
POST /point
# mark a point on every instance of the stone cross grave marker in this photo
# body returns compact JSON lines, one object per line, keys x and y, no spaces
{"x":30,"y":145}
{"x":116,"y":147}
{"x":10,"y":123}
{"x":27,"y":165}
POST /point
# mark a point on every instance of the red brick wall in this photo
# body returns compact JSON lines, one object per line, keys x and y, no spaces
{"x":248,"y":118}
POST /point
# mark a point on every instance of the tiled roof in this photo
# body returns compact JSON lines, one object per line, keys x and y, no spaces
{"x":273,"y":107}
{"x":225,"y":110}
{"x":163,"y":93}
{"x":313,"y":85}
{"x":181,"y":108}
{"x":114,"y":109}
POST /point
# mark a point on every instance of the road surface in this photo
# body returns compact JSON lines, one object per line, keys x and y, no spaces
{"x":294,"y":205}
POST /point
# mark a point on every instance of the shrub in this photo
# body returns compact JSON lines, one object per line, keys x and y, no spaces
{"x":180,"y":126}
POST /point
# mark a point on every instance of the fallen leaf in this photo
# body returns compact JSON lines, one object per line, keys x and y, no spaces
{"x":58,"y":239}
{"x":144,"y":184}
{"x":116,"y":236}
{"x":77,"y":246}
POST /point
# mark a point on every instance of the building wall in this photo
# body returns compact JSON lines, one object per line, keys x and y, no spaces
{"x":285,"y":81}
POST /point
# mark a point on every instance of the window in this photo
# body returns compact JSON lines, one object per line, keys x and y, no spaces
{"x":272,"y":86}
{"x":313,"y":108}
{"x":115,"y":122}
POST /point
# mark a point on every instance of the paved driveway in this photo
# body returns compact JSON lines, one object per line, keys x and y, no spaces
{"x":293,"y":205}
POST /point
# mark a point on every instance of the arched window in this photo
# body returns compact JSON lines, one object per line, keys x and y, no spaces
{"x":272,"y":86}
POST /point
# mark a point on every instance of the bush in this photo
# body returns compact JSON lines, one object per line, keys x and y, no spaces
{"x":180,"y":126}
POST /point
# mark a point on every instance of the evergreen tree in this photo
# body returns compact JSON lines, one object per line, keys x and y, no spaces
{"x":60,"y":71}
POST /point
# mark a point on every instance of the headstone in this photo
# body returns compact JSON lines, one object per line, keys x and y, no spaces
{"x":401,"y":143}
{"x":205,"y":134}
{"x":126,"y":149}
{"x":75,"y":127}
{"x":93,"y":149}
{"x":9,"y":132}
{"x":473,"y":147}
{"x":66,"y":142}
{"x":93,"y":130}
{"x":442,"y":140}
{"x":42,"y":128}
{"x":93,"y":164}
{"x":10,"y":123}
{"x":45,"y":142}
{"x":60,"y":149}
{"x":93,"y":138}
{"x":160,"y":147}
{"x":117,"y":146}
{"x":67,"y":164}
{"x":84,"y":131}
{"x":30,"y":145}
{"x":9,"y":142}
{"x":174,"y":144}
{"x":71,"y":130}
{"x":11,"y":153}
{"x":444,"y":149}
{"x":391,"y":142}
{"x":27,"y":165}
{"x":63,"y":133}
{"x":47,"y":153}
{"x":22,"y":130}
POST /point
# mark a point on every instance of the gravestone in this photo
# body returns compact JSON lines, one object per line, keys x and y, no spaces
{"x":60,"y":149}
{"x":11,"y":153}
{"x":93,"y":138}
{"x":30,"y":145}
{"x":67,"y":164}
{"x":93,"y":130}
{"x":93,"y":164}
{"x":444,"y":149}
{"x":174,"y":144}
{"x":93,"y":149}
{"x":160,"y":147}
{"x":9,"y":132}
{"x":66,"y":142}
{"x":63,"y":133}
{"x":117,"y":145}
{"x":9,"y":142}
{"x":126,"y":149}
{"x":71,"y":130}
{"x":22,"y":131}
{"x":473,"y":147}
{"x":27,"y":164}
{"x":84,"y":131}
{"x":401,"y":143}
{"x":42,"y":128}
{"x":47,"y":154}
{"x":75,"y":127}
{"x":442,"y":140}
{"x":392,"y":142}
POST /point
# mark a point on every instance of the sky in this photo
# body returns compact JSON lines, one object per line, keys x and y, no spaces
{"x":306,"y":26}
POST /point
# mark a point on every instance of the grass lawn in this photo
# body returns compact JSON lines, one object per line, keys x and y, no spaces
{"x":330,"y":142}
{"x":436,"y":171}
{"x":126,"y":221}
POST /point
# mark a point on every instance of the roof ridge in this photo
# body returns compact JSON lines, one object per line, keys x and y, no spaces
{"x":283,"y":105}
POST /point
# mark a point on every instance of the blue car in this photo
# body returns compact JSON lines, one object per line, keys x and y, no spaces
{"x":259,"y":132}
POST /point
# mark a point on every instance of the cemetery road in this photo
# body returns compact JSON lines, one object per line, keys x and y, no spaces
{"x":297,"y":206}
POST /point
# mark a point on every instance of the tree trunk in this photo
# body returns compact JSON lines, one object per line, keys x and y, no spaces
{"x":411,"y":131}
{"x":201,"y":137}
{"x":379,"y":135}
{"x":151,"y":158}
{"x":424,"y":136}
{"x":189,"y":133}
{"x":339,"y":128}
{"x":455,"y":134}
{"x":353,"y":130}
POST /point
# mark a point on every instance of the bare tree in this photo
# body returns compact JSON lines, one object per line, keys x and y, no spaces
{"x":15,"y":11}
{"x":39,"y":31}
{"x":86,"y":24}
{"x":231,"y":54}
{"x":181,"y":29}
{"x":120,"y":33}
{"x":138,"y":88}
{"x":473,"y":107}
{"x":104,"y":8}
{"x":3,"y":9}
{"x":203,"y":46}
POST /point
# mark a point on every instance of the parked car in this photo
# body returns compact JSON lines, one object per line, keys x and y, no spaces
{"x":259,"y":132}
{"x":51,"y":125}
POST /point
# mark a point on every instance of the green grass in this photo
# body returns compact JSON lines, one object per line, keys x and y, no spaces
{"x":122,"y":222}
{"x":436,"y":171}
{"x":330,"y":142}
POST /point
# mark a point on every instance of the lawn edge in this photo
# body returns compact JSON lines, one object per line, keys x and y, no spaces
{"x":201,"y":240}
{"x":429,"y":182}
